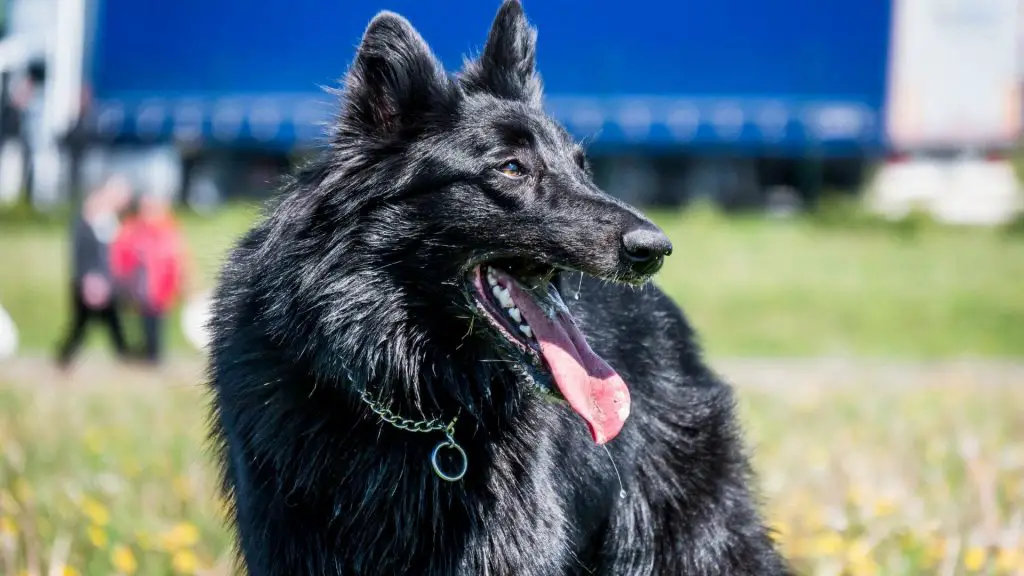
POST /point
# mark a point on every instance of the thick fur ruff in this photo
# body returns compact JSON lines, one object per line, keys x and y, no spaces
{"x":355,"y":281}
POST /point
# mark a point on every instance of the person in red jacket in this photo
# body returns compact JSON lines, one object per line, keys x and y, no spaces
{"x":147,"y":258}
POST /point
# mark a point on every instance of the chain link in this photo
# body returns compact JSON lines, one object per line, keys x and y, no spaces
{"x":432,"y":425}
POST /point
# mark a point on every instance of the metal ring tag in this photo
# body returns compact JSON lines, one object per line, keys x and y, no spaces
{"x":437,"y":468}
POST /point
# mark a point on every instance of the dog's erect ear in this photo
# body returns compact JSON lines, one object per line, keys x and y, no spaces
{"x":394,"y":81}
{"x":507,"y":66}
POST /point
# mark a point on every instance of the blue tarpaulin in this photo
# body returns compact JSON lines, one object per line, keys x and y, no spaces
{"x":784,"y":75}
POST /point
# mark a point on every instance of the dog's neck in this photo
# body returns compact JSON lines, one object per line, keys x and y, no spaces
{"x":448,"y":445}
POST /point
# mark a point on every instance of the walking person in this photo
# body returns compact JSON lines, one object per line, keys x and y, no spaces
{"x":147,"y":259}
{"x":92,"y":285}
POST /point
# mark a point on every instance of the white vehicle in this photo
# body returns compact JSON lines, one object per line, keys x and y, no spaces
{"x":953,"y":112}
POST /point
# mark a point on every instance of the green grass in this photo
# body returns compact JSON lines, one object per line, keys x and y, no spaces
{"x":910,"y":470}
{"x":836,"y":283}
{"x":818,"y":286}
{"x":924,"y":477}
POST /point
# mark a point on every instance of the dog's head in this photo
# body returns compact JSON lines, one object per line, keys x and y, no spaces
{"x":472,"y":199}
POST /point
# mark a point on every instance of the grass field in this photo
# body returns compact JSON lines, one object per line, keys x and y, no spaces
{"x":889,"y":459}
{"x":891,"y":469}
{"x":833,"y":284}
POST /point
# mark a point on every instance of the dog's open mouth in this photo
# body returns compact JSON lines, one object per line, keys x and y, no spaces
{"x":526,"y":309}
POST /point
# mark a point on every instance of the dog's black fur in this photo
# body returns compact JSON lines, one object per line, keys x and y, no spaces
{"x":355,"y":281}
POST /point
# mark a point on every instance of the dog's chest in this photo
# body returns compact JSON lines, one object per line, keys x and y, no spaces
{"x":526,"y":530}
{"x":534,"y":517}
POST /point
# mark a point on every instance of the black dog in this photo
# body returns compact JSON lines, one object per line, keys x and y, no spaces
{"x":449,"y":261}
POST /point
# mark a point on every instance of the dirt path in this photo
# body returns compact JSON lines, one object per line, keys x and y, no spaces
{"x":833,"y":372}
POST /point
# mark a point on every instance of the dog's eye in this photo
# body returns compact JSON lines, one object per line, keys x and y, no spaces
{"x":512,"y":169}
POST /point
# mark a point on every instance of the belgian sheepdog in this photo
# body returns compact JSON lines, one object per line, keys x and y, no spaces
{"x":439,"y":351}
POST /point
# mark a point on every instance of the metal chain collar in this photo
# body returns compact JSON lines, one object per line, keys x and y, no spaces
{"x":432,"y":425}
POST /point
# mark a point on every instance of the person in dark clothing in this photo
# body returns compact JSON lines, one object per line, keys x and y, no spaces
{"x":93,"y":294}
{"x":24,"y":117}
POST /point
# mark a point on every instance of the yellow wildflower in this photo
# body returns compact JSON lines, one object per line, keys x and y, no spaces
{"x":123,"y":559}
{"x":858,"y":551}
{"x":181,"y":536}
{"x":97,"y":536}
{"x":69,"y":571}
{"x":96,"y":512}
{"x":8,"y":527}
{"x":974,"y":558}
{"x":884,"y":507}
{"x":864,"y":566}
{"x":827,"y":544}
{"x":185,"y":562}
{"x":91,"y":438}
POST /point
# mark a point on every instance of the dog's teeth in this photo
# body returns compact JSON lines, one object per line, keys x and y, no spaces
{"x":502,"y":295}
{"x":492,"y":280}
{"x":504,"y":298}
{"x":514,"y":313}
{"x":526,"y":330}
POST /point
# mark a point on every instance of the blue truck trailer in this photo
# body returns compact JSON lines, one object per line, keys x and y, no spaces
{"x":677,"y":99}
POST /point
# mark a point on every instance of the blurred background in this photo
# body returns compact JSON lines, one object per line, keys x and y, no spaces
{"x":841,"y":181}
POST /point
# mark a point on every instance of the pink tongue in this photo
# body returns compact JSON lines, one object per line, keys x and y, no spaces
{"x":593,"y":389}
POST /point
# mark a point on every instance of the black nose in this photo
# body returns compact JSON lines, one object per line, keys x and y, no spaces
{"x":645,"y":249}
